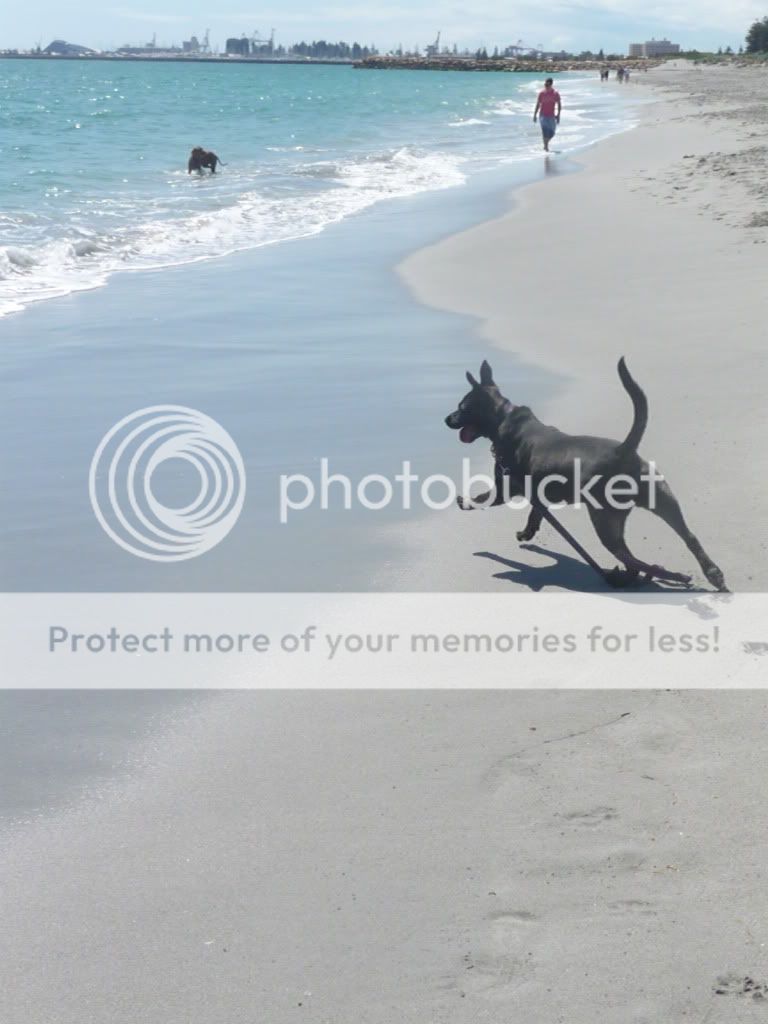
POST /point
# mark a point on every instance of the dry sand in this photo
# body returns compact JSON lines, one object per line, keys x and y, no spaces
{"x":413,"y":858}
{"x":407,"y":858}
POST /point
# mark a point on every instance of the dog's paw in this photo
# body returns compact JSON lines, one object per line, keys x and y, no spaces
{"x":618,"y":577}
{"x":523,"y":536}
{"x":716,"y":578}
{"x":470,"y":504}
{"x":466,"y":504}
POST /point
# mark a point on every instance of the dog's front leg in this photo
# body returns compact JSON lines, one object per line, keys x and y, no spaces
{"x":488,"y":499}
{"x":531,"y":527}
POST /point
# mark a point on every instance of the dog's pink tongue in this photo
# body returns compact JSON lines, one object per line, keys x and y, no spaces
{"x":467,"y":435}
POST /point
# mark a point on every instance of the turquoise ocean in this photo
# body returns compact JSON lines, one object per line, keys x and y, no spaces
{"x":94,"y":179}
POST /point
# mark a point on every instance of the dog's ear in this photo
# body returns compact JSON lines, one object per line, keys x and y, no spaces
{"x":472,"y":380}
{"x":486,"y":374}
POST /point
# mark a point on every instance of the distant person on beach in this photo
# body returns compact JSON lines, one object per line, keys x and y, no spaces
{"x":620,"y":74}
{"x":626,"y":74}
{"x":547,"y":111}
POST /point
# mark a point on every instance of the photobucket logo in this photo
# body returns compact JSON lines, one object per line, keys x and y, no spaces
{"x":375,"y":491}
{"x":127,"y":462}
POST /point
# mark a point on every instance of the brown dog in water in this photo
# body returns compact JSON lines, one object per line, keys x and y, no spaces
{"x":200,"y":158}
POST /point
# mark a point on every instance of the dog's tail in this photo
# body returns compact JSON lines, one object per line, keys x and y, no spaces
{"x":632,"y":441}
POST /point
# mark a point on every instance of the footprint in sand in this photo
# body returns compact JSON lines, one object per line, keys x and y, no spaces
{"x":743,"y":986}
{"x":591,"y":818}
{"x":513,"y":766}
{"x":512,"y":915}
{"x":503,"y":961}
{"x":642,"y":907}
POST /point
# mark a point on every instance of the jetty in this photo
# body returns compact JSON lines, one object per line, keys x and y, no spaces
{"x":447,"y":62}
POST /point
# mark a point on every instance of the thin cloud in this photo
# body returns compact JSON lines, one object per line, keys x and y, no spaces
{"x":480,"y":17}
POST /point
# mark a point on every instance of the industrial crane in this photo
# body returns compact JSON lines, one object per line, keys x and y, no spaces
{"x":434,"y":49}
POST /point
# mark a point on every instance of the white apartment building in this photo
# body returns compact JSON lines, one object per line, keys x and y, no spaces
{"x":653,"y":48}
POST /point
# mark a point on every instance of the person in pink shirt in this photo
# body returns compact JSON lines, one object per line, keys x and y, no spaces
{"x":547,"y":111}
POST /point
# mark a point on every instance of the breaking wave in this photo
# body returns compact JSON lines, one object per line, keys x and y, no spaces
{"x":205,"y":218}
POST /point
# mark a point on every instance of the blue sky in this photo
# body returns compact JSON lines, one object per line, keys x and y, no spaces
{"x":566,"y":24}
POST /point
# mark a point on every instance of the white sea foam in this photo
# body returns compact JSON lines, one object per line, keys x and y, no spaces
{"x":164,"y":232}
{"x":467,"y":122}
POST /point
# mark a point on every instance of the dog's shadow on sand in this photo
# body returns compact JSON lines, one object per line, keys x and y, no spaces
{"x":569,"y":573}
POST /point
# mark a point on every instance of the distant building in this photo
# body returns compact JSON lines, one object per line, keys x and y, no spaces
{"x":149,"y":49}
{"x":60,"y":48}
{"x":191,"y":45}
{"x":654,"y":48}
{"x":239,"y":47}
